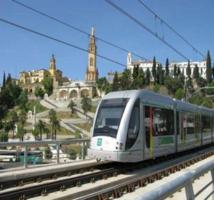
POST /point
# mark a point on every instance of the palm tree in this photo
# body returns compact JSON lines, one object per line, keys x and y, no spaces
{"x":20,"y":131}
{"x":55,"y":125}
{"x":71,"y":105}
{"x":40,"y":128}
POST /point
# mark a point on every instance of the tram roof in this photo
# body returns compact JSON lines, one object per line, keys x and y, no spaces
{"x":156,"y":99}
{"x":185,"y":106}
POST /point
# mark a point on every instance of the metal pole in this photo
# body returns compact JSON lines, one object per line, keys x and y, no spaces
{"x":25,"y":156}
{"x":212,"y":176}
{"x":58,"y":147}
{"x":189,"y":191}
{"x":83,"y":150}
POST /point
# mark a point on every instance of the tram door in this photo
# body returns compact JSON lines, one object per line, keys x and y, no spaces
{"x":159,"y":128}
{"x":149,"y":130}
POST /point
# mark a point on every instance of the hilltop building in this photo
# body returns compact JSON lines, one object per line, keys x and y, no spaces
{"x":78,"y":89}
{"x":183,"y":68}
{"x":29,"y":80}
{"x":144,"y":64}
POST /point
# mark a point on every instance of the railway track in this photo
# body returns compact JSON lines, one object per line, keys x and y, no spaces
{"x":102,"y":184}
{"x":18,"y":180}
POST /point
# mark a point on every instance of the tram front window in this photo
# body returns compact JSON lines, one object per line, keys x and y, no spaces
{"x":109,"y":116}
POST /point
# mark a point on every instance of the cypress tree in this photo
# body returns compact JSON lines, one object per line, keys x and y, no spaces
{"x":9,"y":79}
{"x":196,"y":72}
{"x":188,"y":70}
{"x":209,"y":69}
{"x":141,"y":78}
{"x":178,"y":71}
{"x":167,"y":67}
{"x":125,"y":80}
{"x":135,"y":72}
{"x":175,"y":70}
{"x":159,"y":74}
{"x":148,"y":77}
{"x":4,"y":80}
{"x":115,"y":84}
{"x":154,"y":73}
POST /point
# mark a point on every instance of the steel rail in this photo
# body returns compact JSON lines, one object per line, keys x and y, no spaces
{"x":117,"y":189}
{"x":55,"y":185}
{"x":58,"y":173}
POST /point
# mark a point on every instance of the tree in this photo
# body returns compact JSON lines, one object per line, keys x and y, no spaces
{"x":54,"y":122}
{"x":116,"y":82}
{"x":141,"y":78}
{"x":21,"y":131}
{"x":39,"y":129}
{"x":13,"y":119}
{"x":167,"y":67}
{"x":4,"y":81}
{"x":71,"y":105}
{"x":23,"y":99}
{"x":175,"y":70}
{"x":9,"y":79}
{"x":101,"y":84}
{"x":188,"y":70}
{"x":125,"y":80}
{"x":160,"y":75}
{"x":208,"y":68}
{"x":39,"y":92}
{"x":201,"y":82}
{"x":135,"y":72}
{"x":48,"y":85}
{"x":179,"y":94}
{"x":148,"y":77}
{"x":178,"y":71}
{"x":154,"y":73}
{"x":86,"y":104}
{"x":22,"y":117}
{"x":173,"y":84}
{"x":3,"y":136}
{"x":196,"y":72}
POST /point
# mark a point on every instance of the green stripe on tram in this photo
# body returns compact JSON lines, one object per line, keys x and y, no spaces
{"x":165,"y":140}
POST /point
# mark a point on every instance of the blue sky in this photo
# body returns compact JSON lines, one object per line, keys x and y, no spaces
{"x":20,"y":50}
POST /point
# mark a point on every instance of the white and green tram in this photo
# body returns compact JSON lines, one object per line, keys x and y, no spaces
{"x":136,"y":125}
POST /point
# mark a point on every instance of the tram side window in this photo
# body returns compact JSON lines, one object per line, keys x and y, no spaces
{"x":163,"y":121}
{"x":188,"y":124}
{"x":134,"y":126}
{"x":158,"y":122}
{"x":206,"y":125}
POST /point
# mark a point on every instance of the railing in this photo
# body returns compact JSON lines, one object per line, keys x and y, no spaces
{"x":185,"y":180}
{"x":27,"y":145}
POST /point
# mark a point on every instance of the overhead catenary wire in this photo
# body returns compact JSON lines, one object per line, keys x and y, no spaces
{"x":146,"y":28}
{"x":77,"y":29}
{"x":171,"y":28}
{"x":58,"y":40}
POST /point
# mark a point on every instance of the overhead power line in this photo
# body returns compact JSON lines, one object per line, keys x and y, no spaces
{"x":171,"y":28}
{"x":146,"y":28}
{"x":76,"y":28}
{"x":58,"y":40}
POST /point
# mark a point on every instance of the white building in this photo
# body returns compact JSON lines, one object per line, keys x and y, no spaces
{"x":183,"y":67}
{"x":144,"y":64}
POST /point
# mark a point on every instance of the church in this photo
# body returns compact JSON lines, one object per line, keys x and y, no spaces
{"x":78,"y":89}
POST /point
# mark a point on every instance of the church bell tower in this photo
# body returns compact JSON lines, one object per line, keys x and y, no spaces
{"x":91,"y":72}
{"x":52,"y":66}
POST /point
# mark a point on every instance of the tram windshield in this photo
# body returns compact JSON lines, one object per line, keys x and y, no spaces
{"x":109,"y":116}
